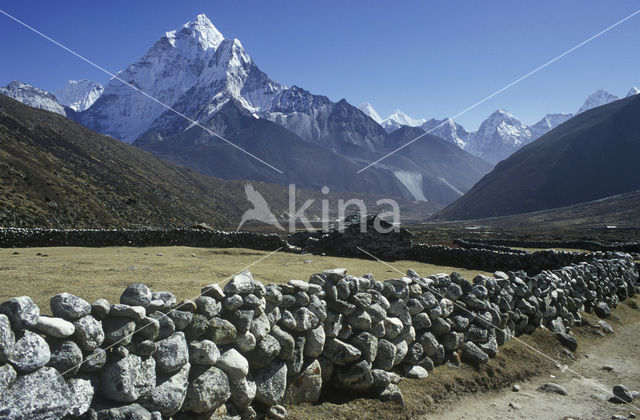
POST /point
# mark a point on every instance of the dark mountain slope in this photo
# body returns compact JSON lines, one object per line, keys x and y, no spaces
{"x":591,"y":156}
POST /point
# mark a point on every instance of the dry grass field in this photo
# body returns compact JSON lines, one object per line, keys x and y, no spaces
{"x":93,"y":273}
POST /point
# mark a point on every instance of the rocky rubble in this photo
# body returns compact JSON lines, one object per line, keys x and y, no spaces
{"x":245,"y":349}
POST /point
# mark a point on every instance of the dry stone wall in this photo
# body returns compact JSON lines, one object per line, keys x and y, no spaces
{"x":244,"y":350}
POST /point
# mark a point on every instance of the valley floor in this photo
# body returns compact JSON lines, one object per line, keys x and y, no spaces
{"x":94,"y":273}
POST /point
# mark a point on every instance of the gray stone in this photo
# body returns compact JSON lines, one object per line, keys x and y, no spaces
{"x":234,"y":364}
{"x":126,"y":379}
{"x":304,"y":320}
{"x":490,"y":347}
{"x":68,"y":306}
{"x":452,"y":341}
{"x":271,"y":383}
{"x":94,"y":361}
{"x":118,"y":330}
{"x":335,"y":274}
{"x":240,"y":283}
{"x":354,"y":378}
{"x":273,"y":295}
{"x":340,"y":353}
{"x":622,"y":394}
{"x":294,"y":366}
{"x":552,"y":388}
{"x":214,"y":291}
{"x":306,"y":387}
{"x":100,"y":308}
{"x":169,"y":394}
{"x":314,"y":344}
{"x":471,"y":354}
{"x":287,"y":343}
{"x":415,"y":372}
{"x":440,"y":327}
{"x":402,"y":348}
{"x":381,"y":378}
{"x":125,"y":412}
{"x":136,"y":294}
{"x":181,"y":319}
{"x":221,"y":331}
{"x":367,"y":344}
{"x":332,"y":324}
{"x":203,"y":352}
{"x":567,"y":341}
{"x":163,"y":301}
{"x":171,"y":353}
{"x":246,"y":342}
{"x":81,"y":396}
{"x":277,"y":412}
{"x":266,"y":350}
{"x":421,"y":321}
{"x":120,"y":310}
{"x":148,"y":328}
{"x":166,"y":326}
{"x":40,"y":395}
{"x":393,"y":327}
{"x":385,"y":356}
{"x":208,"y":389}
{"x":208,"y":306}
{"x":359,"y":320}
{"x":7,"y":339}
{"x":197,"y":328}
{"x":88,"y":333}
{"x":232,"y":302}
{"x":391,"y":394}
{"x":22,"y":312}
{"x":54,"y":327}
{"x":31,"y":353}
{"x":606,"y":327}
{"x":260,"y":326}
{"x":66,"y":357}
{"x":243,"y":392}
{"x":602,"y":310}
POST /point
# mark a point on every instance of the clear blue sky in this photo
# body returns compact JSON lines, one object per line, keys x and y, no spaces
{"x":430,"y":59}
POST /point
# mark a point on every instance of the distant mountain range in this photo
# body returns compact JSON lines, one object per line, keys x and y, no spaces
{"x":592,"y":156}
{"x":499,"y":136}
{"x":313,"y":141}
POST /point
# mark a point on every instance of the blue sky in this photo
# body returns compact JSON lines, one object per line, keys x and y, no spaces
{"x":429,"y":59}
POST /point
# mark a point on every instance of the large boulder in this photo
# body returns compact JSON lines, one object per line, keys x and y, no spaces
{"x":472,"y":354}
{"x":68,"y":306}
{"x":221,"y":331}
{"x":243,"y":391}
{"x":7,"y":339}
{"x":31,"y":353}
{"x":66,"y":357}
{"x":55,"y":327}
{"x":354,"y":378}
{"x":39,"y":395}
{"x":88,"y":333}
{"x":266,"y":350}
{"x":240,"y":283}
{"x":81,"y":396}
{"x":118,"y":330}
{"x":203,"y":352}
{"x":127,"y":378}
{"x":169,"y":394}
{"x":271,"y":383}
{"x":307,"y":386}
{"x":21,"y":311}
{"x":234,"y":364}
{"x":208,"y":389}
{"x":340,"y":352}
{"x":136,"y":295}
{"x":171,"y":353}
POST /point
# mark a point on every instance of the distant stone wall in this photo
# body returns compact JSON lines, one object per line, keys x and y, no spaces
{"x":242,"y":350}
{"x":27,"y":237}
{"x":506,"y":244}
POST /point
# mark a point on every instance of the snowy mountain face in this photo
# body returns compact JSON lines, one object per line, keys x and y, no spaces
{"x":79,"y":94}
{"x":599,"y":98}
{"x":633,"y":91}
{"x":447,"y":129}
{"x":548,"y":123}
{"x":370,"y":112}
{"x":398,"y":119}
{"x":498,"y":137}
{"x":33,"y":96}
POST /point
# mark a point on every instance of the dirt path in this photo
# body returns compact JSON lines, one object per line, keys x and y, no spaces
{"x":586,"y":399}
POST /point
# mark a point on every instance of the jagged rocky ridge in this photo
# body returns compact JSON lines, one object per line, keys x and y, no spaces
{"x":244,"y":349}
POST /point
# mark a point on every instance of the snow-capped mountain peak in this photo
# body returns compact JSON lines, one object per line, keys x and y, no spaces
{"x":398,"y":118}
{"x":79,"y":94}
{"x":32,"y":96}
{"x":447,"y":129}
{"x":201,"y":30}
{"x":633,"y":91}
{"x":370,"y":112}
{"x":548,"y":123}
{"x":598,"y":98}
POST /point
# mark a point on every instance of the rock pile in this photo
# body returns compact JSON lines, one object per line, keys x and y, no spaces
{"x":244,"y":349}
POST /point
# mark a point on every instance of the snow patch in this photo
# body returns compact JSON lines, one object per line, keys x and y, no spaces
{"x":413,"y":182}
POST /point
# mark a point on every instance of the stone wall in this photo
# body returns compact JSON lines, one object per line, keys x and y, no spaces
{"x":506,"y":244}
{"x":198,"y":237}
{"x":244,"y":349}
